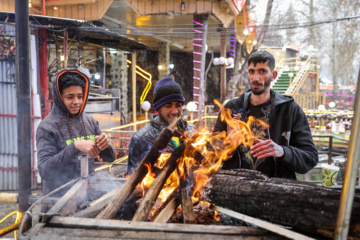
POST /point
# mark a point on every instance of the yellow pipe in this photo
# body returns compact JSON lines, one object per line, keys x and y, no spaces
{"x":9,"y":197}
{"x":9,"y":229}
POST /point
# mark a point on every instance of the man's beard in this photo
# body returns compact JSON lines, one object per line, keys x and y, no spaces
{"x":164,"y":120}
{"x":266,"y":86}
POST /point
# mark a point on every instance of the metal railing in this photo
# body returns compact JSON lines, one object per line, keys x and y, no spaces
{"x":330,"y":152}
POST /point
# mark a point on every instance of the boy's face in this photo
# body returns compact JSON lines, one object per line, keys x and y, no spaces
{"x":73,"y":98}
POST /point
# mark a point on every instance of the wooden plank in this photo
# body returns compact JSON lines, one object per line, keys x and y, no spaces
{"x":88,"y":223}
{"x":208,"y":6}
{"x":49,"y":11}
{"x":167,"y":212}
{"x":68,"y":12}
{"x":265,"y":225}
{"x":134,"y":5}
{"x":191,"y":6}
{"x":88,"y":14}
{"x":74,"y":12}
{"x":11,"y":6}
{"x":62,"y":11}
{"x":97,"y":205}
{"x":106,"y":6}
{"x":71,"y":200}
{"x":81,"y":12}
{"x":68,"y":2}
{"x":93,"y":12}
{"x":163,"y":6}
{"x":4,"y":6}
{"x":47,"y":233}
{"x":170,"y":6}
{"x":142,"y":7}
{"x":177,"y":6}
{"x":56,"y":12}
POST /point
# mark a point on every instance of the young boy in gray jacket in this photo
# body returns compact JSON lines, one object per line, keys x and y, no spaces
{"x":67,"y":132}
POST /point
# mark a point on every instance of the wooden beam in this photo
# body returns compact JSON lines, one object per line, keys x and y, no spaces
{"x":90,"y":223}
{"x":167,"y":212}
{"x":68,"y":2}
{"x":97,"y":205}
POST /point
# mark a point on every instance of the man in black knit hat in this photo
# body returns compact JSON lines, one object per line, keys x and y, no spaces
{"x":168,"y":101}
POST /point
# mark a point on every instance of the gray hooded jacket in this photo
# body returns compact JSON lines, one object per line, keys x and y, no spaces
{"x":57,"y":155}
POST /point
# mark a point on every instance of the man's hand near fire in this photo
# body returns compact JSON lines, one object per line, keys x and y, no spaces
{"x":266,"y":148}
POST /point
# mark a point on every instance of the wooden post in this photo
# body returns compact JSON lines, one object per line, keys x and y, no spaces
{"x":84,"y":163}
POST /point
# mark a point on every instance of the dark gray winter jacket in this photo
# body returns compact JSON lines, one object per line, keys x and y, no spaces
{"x":57,"y":155}
{"x":289,"y":128}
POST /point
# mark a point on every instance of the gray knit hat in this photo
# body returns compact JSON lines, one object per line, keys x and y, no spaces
{"x":166,"y":91}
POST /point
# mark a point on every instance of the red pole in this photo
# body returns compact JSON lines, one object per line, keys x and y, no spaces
{"x":45,"y":107}
{"x":44,"y":8}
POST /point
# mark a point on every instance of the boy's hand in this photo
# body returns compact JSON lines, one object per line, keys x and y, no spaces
{"x":102,"y":141}
{"x":88,"y":147}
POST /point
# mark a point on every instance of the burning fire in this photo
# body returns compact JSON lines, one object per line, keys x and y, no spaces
{"x":215,"y":149}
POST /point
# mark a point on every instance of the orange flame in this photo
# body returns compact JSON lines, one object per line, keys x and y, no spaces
{"x":148,"y":180}
{"x":214,"y":147}
{"x":216,"y":216}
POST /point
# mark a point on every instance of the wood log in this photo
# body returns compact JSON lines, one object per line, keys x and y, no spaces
{"x":187,"y":181}
{"x":186,"y":192}
{"x":153,"y":192}
{"x":173,"y":199}
{"x":303,"y":206}
{"x":109,"y":212}
{"x":265,"y":225}
{"x":165,"y":214}
{"x":187,"y":206}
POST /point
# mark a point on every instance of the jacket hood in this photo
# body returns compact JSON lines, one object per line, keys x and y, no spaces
{"x":58,"y":101}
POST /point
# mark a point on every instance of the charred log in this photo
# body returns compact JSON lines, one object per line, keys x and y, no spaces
{"x":153,"y":192}
{"x":300,"y":205}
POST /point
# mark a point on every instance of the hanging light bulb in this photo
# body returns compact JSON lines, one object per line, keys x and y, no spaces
{"x":230,"y":61}
{"x":246,"y":32}
{"x":222,"y":60}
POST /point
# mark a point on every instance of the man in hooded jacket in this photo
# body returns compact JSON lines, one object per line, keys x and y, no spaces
{"x":67,"y":132}
{"x":286,"y":146}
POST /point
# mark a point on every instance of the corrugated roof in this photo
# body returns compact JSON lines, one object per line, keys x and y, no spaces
{"x":88,"y":31}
